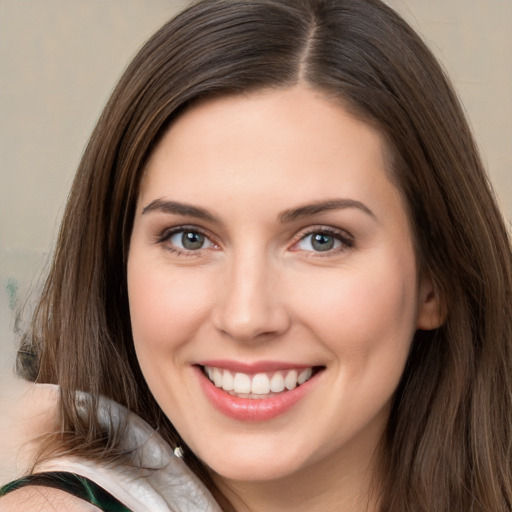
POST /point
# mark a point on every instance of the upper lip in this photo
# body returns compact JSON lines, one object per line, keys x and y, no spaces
{"x":254,"y":367}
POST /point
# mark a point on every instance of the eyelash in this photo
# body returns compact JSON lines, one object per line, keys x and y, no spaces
{"x":346,"y":240}
{"x":166,"y":236}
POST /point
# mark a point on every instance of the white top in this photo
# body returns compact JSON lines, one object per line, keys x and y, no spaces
{"x":169,"y":486}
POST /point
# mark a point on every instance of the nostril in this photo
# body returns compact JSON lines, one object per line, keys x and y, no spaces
{"x":252,"y":325}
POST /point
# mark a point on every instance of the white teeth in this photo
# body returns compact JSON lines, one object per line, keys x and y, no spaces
{"x":304,"y":375}
{"x":277,"y":382}
{"x":290,"y":381}
{"x":258,"y":384}
{"x":217,"y":377}
{"x":242,"y":383}
{"x":227,"y":381}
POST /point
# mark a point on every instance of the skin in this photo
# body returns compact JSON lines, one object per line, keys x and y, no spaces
{"x":36,"y":412}
{"x":259,"y":291}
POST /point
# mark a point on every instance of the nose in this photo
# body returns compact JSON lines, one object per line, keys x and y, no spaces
{"x":250,"y":306}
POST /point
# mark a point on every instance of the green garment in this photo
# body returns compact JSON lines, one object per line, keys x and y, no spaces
{"x":71,"y":483}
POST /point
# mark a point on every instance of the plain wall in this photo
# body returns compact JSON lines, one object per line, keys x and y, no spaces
{"x":59,"y":60}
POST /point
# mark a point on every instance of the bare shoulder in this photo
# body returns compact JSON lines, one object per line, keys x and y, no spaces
{"x":27,"y":413}
{"x":43,"y":499}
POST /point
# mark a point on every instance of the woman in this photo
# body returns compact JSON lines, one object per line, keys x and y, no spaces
{"x":282,"y":253}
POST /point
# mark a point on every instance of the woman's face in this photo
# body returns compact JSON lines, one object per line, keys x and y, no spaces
{"x":272,"y":255}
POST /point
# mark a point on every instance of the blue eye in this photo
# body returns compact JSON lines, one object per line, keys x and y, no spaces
{"x":189,"y":240}
{"x":322,"y":241}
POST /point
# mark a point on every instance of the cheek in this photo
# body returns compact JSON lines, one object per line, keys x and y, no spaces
{"x":363,"y":310}
{"x":166,"y":307}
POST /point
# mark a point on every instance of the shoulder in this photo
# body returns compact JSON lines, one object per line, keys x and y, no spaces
{"x":27,"y":412}
{"x":43,"y":499}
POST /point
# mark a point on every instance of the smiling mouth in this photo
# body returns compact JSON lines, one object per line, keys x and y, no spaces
{"x":258,"y":385}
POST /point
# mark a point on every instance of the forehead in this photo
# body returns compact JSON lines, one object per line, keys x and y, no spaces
{"x":295,"y":136}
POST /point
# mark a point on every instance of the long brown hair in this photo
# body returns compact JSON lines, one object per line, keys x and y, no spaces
{"x":448,"y":444}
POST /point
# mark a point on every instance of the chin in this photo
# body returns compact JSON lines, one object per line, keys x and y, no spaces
{"x":260,"y":471}
{"x":256,"y":465}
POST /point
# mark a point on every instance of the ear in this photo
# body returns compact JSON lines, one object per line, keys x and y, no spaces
{"x":431,"y":307}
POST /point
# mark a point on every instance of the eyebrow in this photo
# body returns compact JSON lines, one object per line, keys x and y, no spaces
{"x":284,"y":217}
{"x":177,"y":208}
{"x":312,"y":209}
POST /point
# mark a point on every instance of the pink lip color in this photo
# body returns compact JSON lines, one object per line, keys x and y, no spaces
{"x":252,"y":368}
{"x":252,"y":410}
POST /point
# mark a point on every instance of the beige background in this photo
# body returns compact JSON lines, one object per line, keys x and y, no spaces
{"x":59,"y":60}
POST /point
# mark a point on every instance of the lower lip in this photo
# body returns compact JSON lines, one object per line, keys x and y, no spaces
{"x":255,"y":409}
